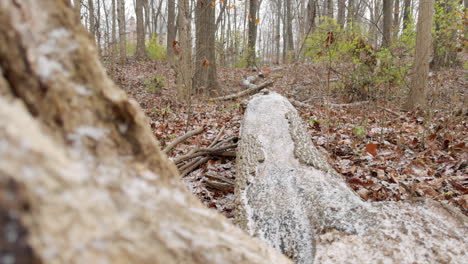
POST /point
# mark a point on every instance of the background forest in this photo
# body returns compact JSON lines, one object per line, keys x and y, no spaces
{"x":380,"y":83}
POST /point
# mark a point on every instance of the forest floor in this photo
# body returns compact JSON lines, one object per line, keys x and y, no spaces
{"x":385,"y":154}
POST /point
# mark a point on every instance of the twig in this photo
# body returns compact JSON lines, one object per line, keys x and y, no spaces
{"x":300,"y":104}
{"x":182,"y":139}
{"x":253,"y":89}
{"x":203,"y":151}
{"x":189,"y":167}
{"x":389,"y":111}
{"x":346,"y":105}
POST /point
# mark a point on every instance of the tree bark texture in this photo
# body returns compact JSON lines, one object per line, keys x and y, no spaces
{"x":289,"y":196}
{"x":171,"y":31}
{"x":387,"y":22}
{"x":341,"y":12}
{"x":417,"y":94}
{"x":92,"y":24}
{"x":205,"y":80}
{"x":82,"y":179}
{"x":183,"y":52}
{"x":140,"y":28}
{"x":252,"y":40}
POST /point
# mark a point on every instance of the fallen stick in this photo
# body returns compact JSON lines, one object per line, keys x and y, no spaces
{"x":300,"y":104}
{"x":203,"y":151}
{"x":346,"y":105}
{"x":189,"y":167}
{"x":253,"y":89}
{"x":389,"y":111}
{"x":182,"y":139}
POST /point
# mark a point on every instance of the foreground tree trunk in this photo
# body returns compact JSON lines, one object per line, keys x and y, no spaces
{"x":82,"y":179}
{"x":205,"y":79}
{"x":289,"y":196}
{"x":417,"y":95}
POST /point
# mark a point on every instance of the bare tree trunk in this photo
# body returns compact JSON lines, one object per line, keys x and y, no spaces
{"x":140,"y":28}
{"x":351,"y":12}
{"x":252,"y":17}
{"x":396,"y":19}
{"x":417,"y":95}
{"x":183,"y":50}
{"x":387,"y":23}
{"x":341,"y":12}
{"x":171,"y":31}
{"x":122,"y":33}
{"x":330,"y":8}
{"x":205,"y":79}
{"x":114,"y":30}
{"x":98,"y":28}
{"x":77,"y":5}
{"x":91,"y":23}
{"x":406,"y":13}
{"x":289,"y":32}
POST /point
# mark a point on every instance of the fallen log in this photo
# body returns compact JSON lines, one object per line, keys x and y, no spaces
{"x":253,"y":88}
{"x":290,"y":197}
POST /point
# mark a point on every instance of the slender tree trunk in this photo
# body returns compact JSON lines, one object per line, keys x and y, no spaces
{"x":289,"y":32}
{"x":122,"y":33}
{"x":350,"y":17}
{"x":114,"y":29}
{"x":341,"y":12}
{"x":77,"y":8}
{"x":171,"y":31}
{"x":252,"y":17}
{"x":183,"y":50}
{"x":205,"y":79}
{"x":140,"y":28}
{"x":396,"y":19}
{"x":91,"y":23}
{"x":417,"y":95}
{"x":387,"y":23}
{"x":330,"y":8}
{"x":98,"y":28}
{"x":406,"y":13}
{"x":278,"y":31}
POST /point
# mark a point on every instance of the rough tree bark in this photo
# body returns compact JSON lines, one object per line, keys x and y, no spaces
{"x":417,"y":95}
{"x":289,"y":196}
{"x":341,"y":12}
{"x":183,"y":52}
{"x":92,"y":26}
{"x":82,"y":179}
{"x":140,"y":28}
{"x":205,"y":80}
{"x":252,"y":40}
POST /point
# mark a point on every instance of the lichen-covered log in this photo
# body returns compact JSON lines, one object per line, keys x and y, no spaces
{"x":289,"y":196}
{"x":82,"y":179}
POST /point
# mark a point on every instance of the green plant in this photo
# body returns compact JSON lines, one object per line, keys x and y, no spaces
{"x":155,"y":50}
{"x":155,"y":83}
{"x":130,"y":48}
{"x":359,"y":131}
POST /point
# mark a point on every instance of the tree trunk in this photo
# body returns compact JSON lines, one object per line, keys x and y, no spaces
{"x":341,"y":12}
{"x":140,"y":28}
{"x":205,"y":79}
{"x":396,"y":19}
{"x":330,"y":8}
{"x":387,"y":23}
{"x":351,"y":12}
{"x":171,"y":31}
{"x":311,"y":15}
{"x":289,"y":32}
{"x":290,"y":197}
{"x":122,"y":32}
{"x":91,"y":23}
{"x":114,"y":30}
{"x":82,"y":179}
{"x":183,"y":51}
{"x":406,"y":13}
{"x":77,"y":8}
{"x":252,"y":17}
{"x":417,"y":95}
